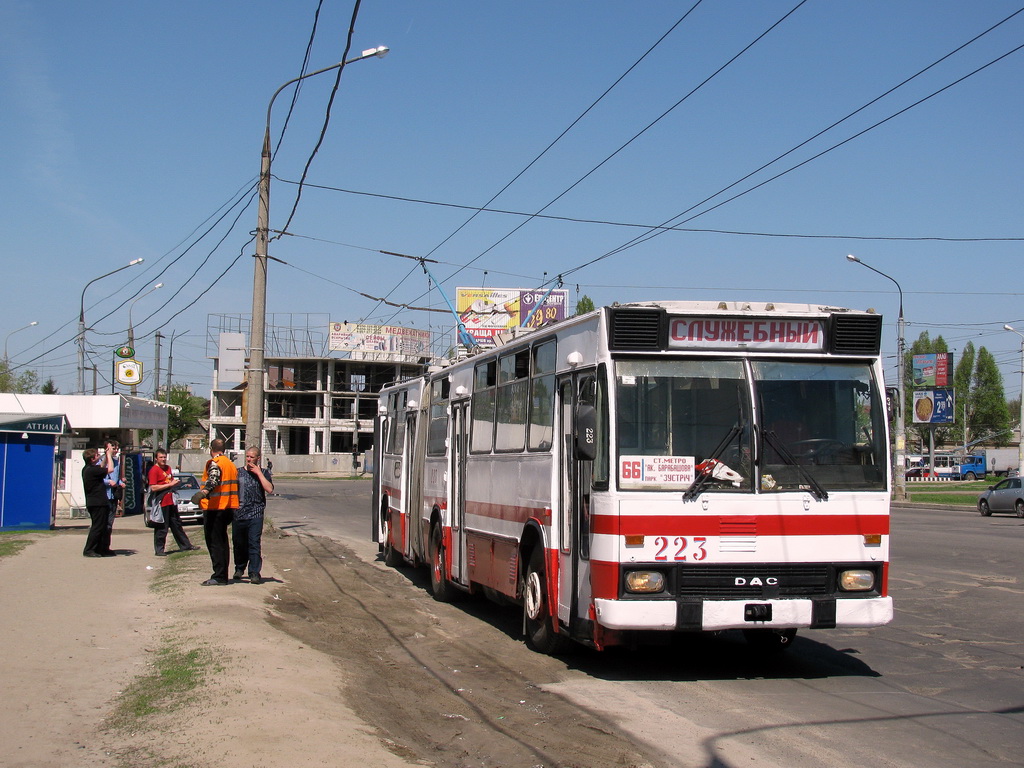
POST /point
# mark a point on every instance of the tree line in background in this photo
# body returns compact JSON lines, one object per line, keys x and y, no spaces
{"x":981,"y":409}
{"x":24,"y":383}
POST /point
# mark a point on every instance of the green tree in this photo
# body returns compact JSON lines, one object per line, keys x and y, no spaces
{"x":990,"y":415}
{"x":584,"y":305}
{"x":49,"y":388}
{"x":962,"y":377}
{"x":185,"y":418}
{"x":23,"y":383}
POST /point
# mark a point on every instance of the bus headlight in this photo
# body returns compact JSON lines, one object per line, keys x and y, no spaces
{"x":856,"y":581}
{"x":645,"y":581}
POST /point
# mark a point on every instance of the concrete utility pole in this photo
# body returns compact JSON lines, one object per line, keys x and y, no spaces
{"x":900,"y":451}
{"x":257,"y":331}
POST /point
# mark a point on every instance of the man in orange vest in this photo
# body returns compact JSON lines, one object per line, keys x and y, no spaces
{"x":219,"y":502}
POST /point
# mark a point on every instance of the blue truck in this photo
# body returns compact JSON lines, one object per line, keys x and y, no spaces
{"x":973,"y":467}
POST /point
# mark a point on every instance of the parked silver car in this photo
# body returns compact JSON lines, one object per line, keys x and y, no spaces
{"x":189,"y":512}
{"x":1005,"y":496}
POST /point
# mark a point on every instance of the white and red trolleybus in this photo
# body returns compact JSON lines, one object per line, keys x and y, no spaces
{"x":650,"y":468}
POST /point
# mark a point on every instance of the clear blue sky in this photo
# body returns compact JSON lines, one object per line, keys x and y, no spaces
{"x":128,"y":128}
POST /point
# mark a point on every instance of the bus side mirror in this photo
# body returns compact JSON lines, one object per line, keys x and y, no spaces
{"x":586,"y":433}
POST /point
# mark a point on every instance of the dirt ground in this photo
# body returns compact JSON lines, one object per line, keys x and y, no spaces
{"x":332,"y":662}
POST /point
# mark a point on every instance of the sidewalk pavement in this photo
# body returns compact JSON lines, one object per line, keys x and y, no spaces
{"x":73,"y":635}
{"x":76,"y":631}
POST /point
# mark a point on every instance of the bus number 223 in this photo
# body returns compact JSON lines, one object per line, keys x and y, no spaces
{"x":680,"y":544}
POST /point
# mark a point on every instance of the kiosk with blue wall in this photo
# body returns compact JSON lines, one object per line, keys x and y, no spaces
{"x":28,"y":445}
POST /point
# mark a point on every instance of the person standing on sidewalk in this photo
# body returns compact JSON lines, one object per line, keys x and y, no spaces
{"x":163,"y":482}
{"x":219,"y":502}
{"x":115,"y":491}
{"x":254,"y":484}
{"x":94,"y":474}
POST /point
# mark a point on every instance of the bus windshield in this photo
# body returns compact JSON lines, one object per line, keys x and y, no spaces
{"x":819,"y":425}
{"x":827,"y":417}
{"x":682,"y":413}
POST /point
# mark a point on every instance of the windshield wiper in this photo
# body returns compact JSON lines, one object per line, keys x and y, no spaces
{"x":816,"y":490}
{"x":703,"y":478}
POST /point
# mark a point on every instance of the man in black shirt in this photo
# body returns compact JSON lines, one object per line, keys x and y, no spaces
{"x":94,"y":473}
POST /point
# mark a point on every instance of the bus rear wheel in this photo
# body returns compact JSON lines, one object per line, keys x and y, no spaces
{"x":392,"y":557}
{"x":441,"y":589}
{"x":769,"y":640}
{"x":540,"y":633}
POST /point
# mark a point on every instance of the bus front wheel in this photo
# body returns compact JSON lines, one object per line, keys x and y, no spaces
{"x":540,"y":633}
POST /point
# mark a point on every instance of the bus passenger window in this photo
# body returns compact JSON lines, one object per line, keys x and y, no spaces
{"x":542,"y":397}
{"x":484,"y":379}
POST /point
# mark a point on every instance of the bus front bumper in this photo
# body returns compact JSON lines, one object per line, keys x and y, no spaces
{"x":712,"y":615}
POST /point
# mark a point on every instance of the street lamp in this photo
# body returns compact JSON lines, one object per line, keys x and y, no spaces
{"x":131,"y":329}
{"x":34,"y":322}
{"x":1020,"y":428}
{"x":257,"y":332}
{"x":899,"y":455}
{"x":170,"y":365}
{"x":81,"y":324}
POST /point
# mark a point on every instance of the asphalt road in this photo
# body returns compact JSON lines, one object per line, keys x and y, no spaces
{"x":943,"y":685}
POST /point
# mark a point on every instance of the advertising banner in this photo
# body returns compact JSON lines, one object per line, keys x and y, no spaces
{"x":933,"y":370}
{"x":486,"y":312}
{"x":933,"y":406}
{"x":128,"y":372}
{"x":385,"y":339}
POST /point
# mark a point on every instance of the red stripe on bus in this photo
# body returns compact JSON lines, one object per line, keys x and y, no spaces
{"x":511,"y":512}
{"x":724,"y":525}
{"x":604,"y":579}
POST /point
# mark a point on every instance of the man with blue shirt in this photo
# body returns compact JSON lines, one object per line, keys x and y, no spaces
{"x":114,"y":484}
{"x":254,"y":483}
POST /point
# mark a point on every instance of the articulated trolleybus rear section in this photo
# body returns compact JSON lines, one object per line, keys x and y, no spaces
{"x":650,"y":468}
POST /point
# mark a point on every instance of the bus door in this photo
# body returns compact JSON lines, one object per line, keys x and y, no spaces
{"x":458,"y":437}
{"x":574,"y":494}
{"x":405,"y":472}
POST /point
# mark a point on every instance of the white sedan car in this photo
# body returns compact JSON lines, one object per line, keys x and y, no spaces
{"x":189,"y":512}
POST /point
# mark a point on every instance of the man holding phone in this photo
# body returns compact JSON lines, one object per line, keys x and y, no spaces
{"x":247,"y":531}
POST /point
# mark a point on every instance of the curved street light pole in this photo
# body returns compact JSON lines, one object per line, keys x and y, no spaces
{"x":6,"y":357}
{"x":899,"y":454}
{"x":170,"y":364}
{"x":257,"y":332}
{"x":81,"y":324}
{"x":1020,"y":426}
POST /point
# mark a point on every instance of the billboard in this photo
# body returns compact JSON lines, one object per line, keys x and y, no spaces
{"x":933,"y":370}
{"x":933,"y":406}
{"x":486,"y":312}
{"x":383,"y":339}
